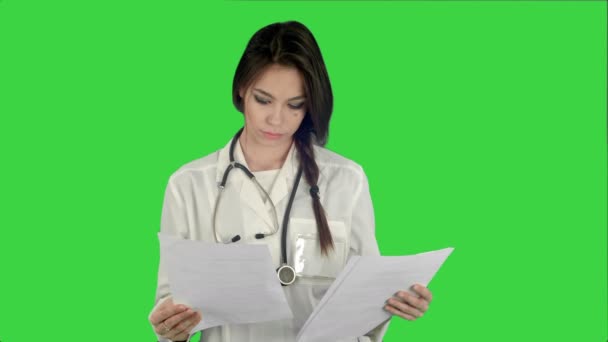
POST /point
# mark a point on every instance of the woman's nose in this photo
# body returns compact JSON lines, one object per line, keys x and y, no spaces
{"x":275,"y":117}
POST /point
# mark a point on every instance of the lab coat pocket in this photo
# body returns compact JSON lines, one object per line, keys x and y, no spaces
{"x":305,"y":255}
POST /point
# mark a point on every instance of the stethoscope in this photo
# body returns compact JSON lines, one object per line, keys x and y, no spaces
{"x":285,"y":273}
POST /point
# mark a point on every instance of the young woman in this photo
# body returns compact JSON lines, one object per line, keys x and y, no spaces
{"x":274,"y":183}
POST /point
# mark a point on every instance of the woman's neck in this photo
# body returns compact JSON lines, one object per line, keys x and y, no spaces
{"x":262,"y":158}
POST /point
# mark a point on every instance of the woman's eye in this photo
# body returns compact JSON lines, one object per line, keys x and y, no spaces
{"x":297,"y":106}
{"x":263,"y":101}
{"x":260,"y":100}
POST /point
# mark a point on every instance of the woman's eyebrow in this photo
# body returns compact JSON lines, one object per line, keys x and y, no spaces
{"x":272,"y":97}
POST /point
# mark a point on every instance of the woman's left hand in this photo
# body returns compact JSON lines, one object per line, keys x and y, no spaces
{"x":410,"y":306}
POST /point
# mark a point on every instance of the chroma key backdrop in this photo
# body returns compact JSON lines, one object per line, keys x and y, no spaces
{"x":481,"y":126}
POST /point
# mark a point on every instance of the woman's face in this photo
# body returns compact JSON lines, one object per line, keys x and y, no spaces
{"x":274,"y":106}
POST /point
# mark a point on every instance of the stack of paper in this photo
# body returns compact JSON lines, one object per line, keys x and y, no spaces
{"x":218,"y":279}
{"x":353,"y":304}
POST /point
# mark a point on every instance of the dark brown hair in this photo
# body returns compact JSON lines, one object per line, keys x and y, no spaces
{"x":291,"y":44}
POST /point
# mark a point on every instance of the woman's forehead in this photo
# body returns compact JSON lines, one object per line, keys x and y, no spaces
{"x":280,"y":82}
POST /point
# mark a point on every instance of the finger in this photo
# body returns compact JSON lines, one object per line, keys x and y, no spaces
{"x":423,"y":291}
{"x":176,"y":327}
{"x":180,"y":337}
{"x":192,"y":322}
{"x":183,"y":336}
{"x":175,"y":332}
{"x":159,"y":329}
{"x":165,"y":310}
{"x":396,"y":312}
{"x":173,"y":321}
{"x":404,"y":307}
{"x":182,"y":329}
{"x":415,"y":301}
{"x":162,"y":329}
{"x":183,"y":324}
{"x":157,"y":316}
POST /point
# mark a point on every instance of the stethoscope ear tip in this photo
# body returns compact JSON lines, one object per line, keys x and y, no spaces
{"x":259,"y":236}
{"x":236,"y":238}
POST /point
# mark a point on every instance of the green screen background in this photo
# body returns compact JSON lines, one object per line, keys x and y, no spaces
{"x":481,"y":126}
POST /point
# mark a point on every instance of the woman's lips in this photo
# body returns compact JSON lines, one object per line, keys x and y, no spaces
{"x":272,"y":136}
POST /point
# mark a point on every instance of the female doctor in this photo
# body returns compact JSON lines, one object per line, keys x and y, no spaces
{"x":273,"y":183}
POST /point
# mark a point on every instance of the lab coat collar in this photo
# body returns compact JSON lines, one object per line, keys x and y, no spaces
{"x":249,"y":192}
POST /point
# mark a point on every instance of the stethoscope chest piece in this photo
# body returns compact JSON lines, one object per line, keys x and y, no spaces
{"x":286,"y":274}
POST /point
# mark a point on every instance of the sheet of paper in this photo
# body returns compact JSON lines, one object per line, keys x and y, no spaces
{"x":353,"y":304}
{"x":228,"y":283}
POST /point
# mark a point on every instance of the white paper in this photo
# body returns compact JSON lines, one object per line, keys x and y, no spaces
{"x":354,"y":303}
{"x":227,"y":283}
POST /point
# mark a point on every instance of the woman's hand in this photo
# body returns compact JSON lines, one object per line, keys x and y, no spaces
{"x":174,"y":321}
{"x":410,"y":306}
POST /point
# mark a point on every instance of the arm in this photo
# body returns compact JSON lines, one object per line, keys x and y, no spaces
{"x":174,"y":222}
{"x":363,"y":240}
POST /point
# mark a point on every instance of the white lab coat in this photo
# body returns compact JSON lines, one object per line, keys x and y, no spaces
{"x":190,"y":197}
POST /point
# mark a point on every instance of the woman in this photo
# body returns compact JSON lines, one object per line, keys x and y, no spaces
{"x":282,"y":88}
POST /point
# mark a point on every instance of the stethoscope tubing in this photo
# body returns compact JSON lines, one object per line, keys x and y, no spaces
{"x":233,"y":164}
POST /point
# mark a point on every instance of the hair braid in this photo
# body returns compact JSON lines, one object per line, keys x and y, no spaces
{"x":311,"y":173}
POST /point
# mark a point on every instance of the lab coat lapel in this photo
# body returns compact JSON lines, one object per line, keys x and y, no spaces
{"x":251,"y":197}
{"x":282,"y":185}
{"x":223,"y":160}
{"x":249,"y":193}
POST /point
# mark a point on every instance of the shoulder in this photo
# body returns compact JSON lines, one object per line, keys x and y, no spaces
{"x":185,"y":174}
{"x":332,"y":165}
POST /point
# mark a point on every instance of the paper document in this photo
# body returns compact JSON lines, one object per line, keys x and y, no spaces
{"x":354,"y":303}
{"x":228,"y":283}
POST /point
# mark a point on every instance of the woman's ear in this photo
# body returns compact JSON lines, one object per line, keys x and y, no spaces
{"x":241,"y":93}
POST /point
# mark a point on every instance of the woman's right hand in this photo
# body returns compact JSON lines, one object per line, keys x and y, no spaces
{"x":174,"y":321}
